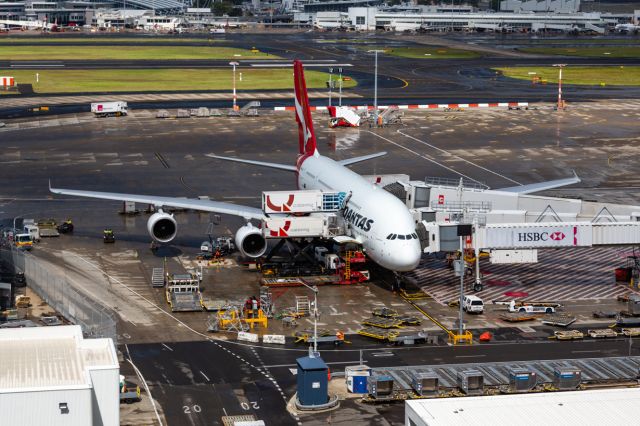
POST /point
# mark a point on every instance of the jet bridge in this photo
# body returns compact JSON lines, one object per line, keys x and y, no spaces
{"x":442,"y":236}
{"x":442,"y":200}
{"x":519,"y":242}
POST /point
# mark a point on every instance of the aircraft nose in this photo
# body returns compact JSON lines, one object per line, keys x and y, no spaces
{"x":408,"y":257}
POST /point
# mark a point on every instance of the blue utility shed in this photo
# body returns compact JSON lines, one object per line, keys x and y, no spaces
{"x":313,"y":381}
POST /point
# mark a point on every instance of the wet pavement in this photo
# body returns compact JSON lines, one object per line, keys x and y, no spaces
{"x":197,"y":377}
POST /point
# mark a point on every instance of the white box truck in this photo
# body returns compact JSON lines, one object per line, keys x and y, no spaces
{"x":109,"y":109}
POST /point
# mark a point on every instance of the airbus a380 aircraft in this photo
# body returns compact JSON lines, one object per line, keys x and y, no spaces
{"x":379,"y":221}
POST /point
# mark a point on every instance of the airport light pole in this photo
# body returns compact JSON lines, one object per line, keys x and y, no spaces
{"x":235,"y":98}
{"x":314,"y":289}
{"x":330,"y":84}
{"x":375,"y":85}
{"x":340,"y":87}
{"x":560,"y":102}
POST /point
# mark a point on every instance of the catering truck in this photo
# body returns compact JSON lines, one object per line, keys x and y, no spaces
{"x":109,"y":109}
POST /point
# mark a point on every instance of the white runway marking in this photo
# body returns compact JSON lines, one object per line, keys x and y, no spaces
{"x":427,"y":158}
{"x":459,"y":158}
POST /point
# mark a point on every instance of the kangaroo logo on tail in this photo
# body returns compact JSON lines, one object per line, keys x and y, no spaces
{"x":306,"y":135}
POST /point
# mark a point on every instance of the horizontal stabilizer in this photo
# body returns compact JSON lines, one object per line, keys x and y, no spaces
{"x":542,"y":186}
{"x":256,"y":163}
{"x":355,"y":160}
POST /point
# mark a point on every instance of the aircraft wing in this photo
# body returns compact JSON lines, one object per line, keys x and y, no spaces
{"x":355,"y":160}
{"x":256,"y":163}
{"x":542,"y":186}
{"x":182,"y":203}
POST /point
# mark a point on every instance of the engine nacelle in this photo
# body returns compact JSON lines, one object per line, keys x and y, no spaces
{"x":162,"y":227}
{"x":250,"y":241}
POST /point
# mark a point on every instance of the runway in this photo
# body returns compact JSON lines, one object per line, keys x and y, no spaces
{"x":401,"y":80}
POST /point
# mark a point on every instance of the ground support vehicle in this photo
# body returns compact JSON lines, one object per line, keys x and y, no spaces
{"x":108,"y":236}
{"x":129,"y":392}
{"x":183,"y":293}
{"x":472,"y":304}
{"x":48,"y":228}
{"x":109,"y":109}
{"x":23,"y":242}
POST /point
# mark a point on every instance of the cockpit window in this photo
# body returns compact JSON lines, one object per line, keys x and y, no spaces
{"x":415,"y":235}
{"x":391,"y":237}
{"x":401,"y":237}
{"x":409,"y":237}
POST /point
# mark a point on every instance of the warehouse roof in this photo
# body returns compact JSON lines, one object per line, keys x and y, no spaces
{"x":51,"y":358}
{"x":607,"y":406}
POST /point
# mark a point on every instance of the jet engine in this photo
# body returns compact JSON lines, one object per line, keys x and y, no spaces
{"x":250,"y":241}
{"x":162,"y":227}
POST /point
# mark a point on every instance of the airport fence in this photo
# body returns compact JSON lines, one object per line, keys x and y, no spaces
{"x":54,"y":288}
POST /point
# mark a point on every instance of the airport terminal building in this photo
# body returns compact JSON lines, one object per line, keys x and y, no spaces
{"x":371,"y":18}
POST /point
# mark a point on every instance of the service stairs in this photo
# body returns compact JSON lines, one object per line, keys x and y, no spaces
{"x":157,"y":277}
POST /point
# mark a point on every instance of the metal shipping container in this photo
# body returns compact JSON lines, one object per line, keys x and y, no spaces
{"x":292,"y":201}
{"x":301,"y":201}
{"x":292,"y":226}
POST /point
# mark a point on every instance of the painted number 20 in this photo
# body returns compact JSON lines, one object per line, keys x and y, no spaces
{"x":251,"y":404}
{"x":188,"y":410}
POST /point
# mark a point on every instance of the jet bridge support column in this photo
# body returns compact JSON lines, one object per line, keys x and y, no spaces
{"x":478,"y":285}
{"x":476,"y":251}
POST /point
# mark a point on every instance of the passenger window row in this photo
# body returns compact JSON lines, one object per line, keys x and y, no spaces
{"x":402,"y":237}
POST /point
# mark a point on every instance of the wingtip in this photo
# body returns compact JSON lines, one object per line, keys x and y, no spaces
{"x":575,"y":175}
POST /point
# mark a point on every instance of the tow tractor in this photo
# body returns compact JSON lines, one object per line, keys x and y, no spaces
{"x":129,"y":391}
{"x":65,"y":227}
{"x":108,"y":236}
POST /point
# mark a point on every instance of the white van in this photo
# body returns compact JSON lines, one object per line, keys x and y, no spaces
{"x":472,"y":304}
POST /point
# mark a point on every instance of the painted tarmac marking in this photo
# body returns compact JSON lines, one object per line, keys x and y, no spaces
{"x":470,"y":356}
{"x":426,"y":158}
{"x":166,"y":346}
{"x":459,"y":158}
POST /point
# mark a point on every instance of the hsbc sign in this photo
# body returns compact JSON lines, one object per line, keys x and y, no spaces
{"x":539,"y":235}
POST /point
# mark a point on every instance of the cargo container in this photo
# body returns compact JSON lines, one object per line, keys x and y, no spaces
{"x":301,"y":201}
{"x":292,"y":226}
{"x":356,"y":378}
{"x":109,"y":109}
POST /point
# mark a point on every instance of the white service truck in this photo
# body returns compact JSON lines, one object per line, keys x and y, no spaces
{"x":109,"y":109}
{"x":472,"y":304}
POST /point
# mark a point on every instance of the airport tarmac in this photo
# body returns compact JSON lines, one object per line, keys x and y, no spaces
{"x":187,"y":367}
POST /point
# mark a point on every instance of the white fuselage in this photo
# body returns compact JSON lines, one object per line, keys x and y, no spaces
{"x":378,"y":220}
